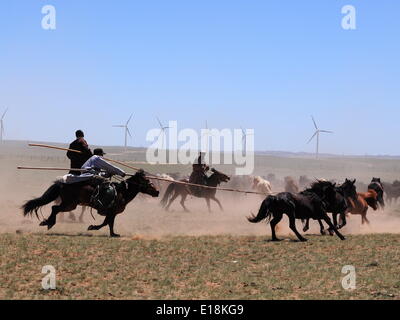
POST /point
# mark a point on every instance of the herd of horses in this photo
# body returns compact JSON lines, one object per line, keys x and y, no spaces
{"x":318,"y":198}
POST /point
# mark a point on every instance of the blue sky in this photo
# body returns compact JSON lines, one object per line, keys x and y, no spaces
{"x":266,"y":65}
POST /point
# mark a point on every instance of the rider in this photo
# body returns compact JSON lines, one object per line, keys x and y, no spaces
{"x":78,"y":159}
{"x":199,"y":174}
{"x":98,"y":164}
{"x":103,"y":198}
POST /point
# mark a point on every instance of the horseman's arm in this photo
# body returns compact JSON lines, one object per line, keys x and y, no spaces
{"x":108,"y":167}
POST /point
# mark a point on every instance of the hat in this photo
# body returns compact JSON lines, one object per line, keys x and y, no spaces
{"x":98,"y":152}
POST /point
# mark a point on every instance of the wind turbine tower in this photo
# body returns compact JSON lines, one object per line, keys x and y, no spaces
{"x":316,"y":134}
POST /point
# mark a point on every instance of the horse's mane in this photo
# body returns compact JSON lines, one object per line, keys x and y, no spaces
{"x":319,"y":186}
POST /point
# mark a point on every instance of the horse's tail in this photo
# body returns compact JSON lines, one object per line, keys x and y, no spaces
{"x":167,"y":194}
{"x":50,"y":195}
{"x":263,"y":212}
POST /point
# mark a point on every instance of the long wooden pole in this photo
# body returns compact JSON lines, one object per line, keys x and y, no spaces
{"x":77,"y":151}
{"x":151,"y":176}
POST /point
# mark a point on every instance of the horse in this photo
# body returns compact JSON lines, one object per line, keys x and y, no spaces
{"x":261,"y":185}
{"x":291,"y":185}
{"x":344,"y":193}
{"x":80,"y":193}
{"x":392,"y":191}
{"x":360,"y":205}
{"x":377,"y":186}
{"x":176,"y":189}
{"x":304,"y":205}
{"x":304,"y":182}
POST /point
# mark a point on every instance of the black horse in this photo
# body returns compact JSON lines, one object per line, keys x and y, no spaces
{"x":377,"y":186}
{"x":344,"y":192}
{"x":310,"y":203}
{"x":72,"y":195}
{"x":176,"y":189}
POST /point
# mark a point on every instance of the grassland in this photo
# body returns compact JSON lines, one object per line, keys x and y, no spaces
{"x":207,"y":267}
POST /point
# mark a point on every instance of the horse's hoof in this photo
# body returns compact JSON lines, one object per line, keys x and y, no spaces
{"x":91,"y":227}
{"x":43,"y":223}
{"x":115,"y":235}
{"x":305,"y":229}
{"x":303,"y":240}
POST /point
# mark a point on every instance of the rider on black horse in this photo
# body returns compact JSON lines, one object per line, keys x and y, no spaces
{"x":105,"y":193}
{"x":199,"y":175}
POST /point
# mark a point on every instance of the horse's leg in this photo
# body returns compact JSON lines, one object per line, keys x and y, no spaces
{"x":321,"y":227}
{"x":82,"y":212}
{"x":208,"y":204}
{"x":343,"y":221}
{"x":172,"y":200}
{"x":111,"y":226}
{"x":364,"y":217}
{"x":331,"y":226}
{"x":51,"y":220}
{"x":306,"y":224}
{"x":275,"y":220}
{"x":292,"y":225}
{"x":99,"y":226}
{"x":219,"y":203}
{"x":183,"y":198}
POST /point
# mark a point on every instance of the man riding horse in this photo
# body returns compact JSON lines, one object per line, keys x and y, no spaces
{"x":199,"y":175}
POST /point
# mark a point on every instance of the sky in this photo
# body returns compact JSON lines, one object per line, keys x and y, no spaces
{"x":257,"y":64}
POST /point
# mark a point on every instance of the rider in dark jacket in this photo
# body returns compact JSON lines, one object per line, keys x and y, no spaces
{"x":78,"y":159}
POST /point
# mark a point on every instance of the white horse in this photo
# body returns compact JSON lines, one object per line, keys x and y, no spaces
{"x":261,"y":185}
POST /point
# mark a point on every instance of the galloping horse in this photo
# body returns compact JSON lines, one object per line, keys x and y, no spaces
{"x":175,"y":189}
{"x":377,"y":186}
{"x":360,"y":205}
{"x":310,"y":203}
{"x":261,"y":185}
{"x":344,"y":193}
{"x":80,"y":193}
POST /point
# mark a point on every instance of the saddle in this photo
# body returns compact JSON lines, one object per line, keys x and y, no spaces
{"x":104,"y":198}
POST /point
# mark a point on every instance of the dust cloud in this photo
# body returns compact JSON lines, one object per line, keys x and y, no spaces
{"x":144,"y":217}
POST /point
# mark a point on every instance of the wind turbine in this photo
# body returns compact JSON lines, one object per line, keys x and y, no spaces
{"x":316,"y":133}
{"x":244,"y":138}
{"x":162,"y":129}
{"x":127,"y":132}
{"x":2,"y":125}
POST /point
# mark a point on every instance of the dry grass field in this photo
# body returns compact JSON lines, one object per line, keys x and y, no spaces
{"x":197,"y":255}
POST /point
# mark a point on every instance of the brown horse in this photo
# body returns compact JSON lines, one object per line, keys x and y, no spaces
{"x":360,"y":205}
{"x":80,"y":193}
{"x":175,"y":189}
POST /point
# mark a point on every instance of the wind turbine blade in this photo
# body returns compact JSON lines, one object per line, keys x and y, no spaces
{"x":316,"y":132}
{"x":315,"y":125}
{"x":129,"y":119}
{"x":159,"y":122}
{"x":129,"y":133}
{"x":4,"y":113}
{"x":325,"y":131}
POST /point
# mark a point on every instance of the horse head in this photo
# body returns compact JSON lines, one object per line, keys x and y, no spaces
{"x":349,"y":189}
{"x":219,"y":176}
{"x":144,"y":184}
